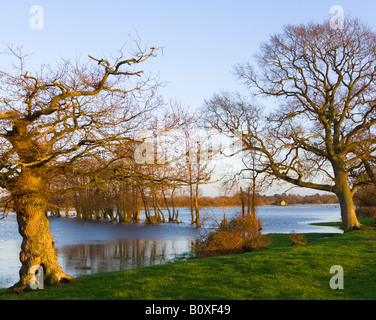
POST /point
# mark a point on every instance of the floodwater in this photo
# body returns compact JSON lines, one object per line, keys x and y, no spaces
{"x":87,"y":247}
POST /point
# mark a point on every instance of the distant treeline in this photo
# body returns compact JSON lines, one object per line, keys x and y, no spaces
{"x":261,"y":200}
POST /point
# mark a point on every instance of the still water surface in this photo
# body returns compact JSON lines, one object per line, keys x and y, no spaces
{"x":87,"y":247}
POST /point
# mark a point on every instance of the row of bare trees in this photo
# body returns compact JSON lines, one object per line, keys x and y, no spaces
{"x":172,"y":161}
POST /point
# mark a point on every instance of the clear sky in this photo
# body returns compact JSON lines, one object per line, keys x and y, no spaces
{"x":202,"y":40}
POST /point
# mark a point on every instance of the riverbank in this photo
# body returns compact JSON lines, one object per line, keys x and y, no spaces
{"x":278,"y":273}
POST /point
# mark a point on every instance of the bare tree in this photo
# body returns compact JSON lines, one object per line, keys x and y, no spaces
{"x":196,"y":165}
{"x":54,"y":117}
{"x":324,"y":83}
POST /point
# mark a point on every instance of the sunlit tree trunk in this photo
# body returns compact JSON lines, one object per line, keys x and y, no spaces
{"x":349,"y":219}
{"x":197,"y":210}
{"x":191,"y":197}
{"x":38,"y":247}
{"x":242,"y":200}
{"x":345,"y":197}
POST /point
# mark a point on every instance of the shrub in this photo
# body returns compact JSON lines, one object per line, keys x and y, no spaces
{"x":297,"y":239}
{"x":241,"y":234}
{"x":366,"y":212}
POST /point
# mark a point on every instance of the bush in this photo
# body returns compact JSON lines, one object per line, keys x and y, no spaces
{"x":241,"y":234}
{"x":297,"y":239}
{"x":366,"y":212}
{"x":365,"y":197}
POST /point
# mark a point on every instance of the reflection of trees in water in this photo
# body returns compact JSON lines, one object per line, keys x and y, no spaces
{"x":113,"y":256}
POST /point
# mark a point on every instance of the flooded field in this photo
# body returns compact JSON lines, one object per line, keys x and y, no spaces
{"x":87,"y":247}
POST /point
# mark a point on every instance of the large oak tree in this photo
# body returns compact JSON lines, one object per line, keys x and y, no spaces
{"x":51,"y":120}
{"x":323,"y":84}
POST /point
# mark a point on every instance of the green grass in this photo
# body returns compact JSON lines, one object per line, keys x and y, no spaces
{"x":280,"y":272}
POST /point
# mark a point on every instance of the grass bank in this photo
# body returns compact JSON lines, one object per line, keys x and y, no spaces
{"x":280,"y":272}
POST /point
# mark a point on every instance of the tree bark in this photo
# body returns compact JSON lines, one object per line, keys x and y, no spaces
{"x":242,"y":200}
{"x":38,"y":247}
{"x":345,"y":197}
{"x":197,"y":209}
{"x":348,"y":215}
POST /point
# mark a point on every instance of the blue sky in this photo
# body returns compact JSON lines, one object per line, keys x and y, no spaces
{"x":202,"y":40}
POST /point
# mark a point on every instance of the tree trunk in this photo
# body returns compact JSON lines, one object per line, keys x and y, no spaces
{"x":192,"y":203}
{"x":242,"y":200}
{"x":349,"y":219}
{"x":38,"y":247}
{"x":345,"y":197}
{"x":198,"y":220}
{"x":249,"y":201}
{"x":197,"y":210}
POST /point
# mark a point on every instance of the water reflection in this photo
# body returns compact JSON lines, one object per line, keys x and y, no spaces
{"x":122,"y":254}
